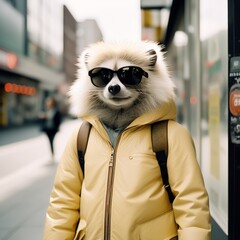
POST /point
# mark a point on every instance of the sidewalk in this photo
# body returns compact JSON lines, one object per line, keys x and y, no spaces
{"x":19,"y":133}
{"x":24,"y":204}
{"x":26,"y":184}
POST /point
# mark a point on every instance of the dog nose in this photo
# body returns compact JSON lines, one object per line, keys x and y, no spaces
{"x":114,"y":89}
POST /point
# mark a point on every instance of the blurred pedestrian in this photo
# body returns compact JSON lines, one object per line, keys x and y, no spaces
{"x":51,"y":120}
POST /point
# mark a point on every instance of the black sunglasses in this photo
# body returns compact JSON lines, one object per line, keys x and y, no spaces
{"x":129,"y":75}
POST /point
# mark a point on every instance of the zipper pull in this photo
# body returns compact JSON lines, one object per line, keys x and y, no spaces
{"x":111,"y":159}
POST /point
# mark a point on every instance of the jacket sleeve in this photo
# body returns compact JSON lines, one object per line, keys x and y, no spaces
{"x":64,"y":208}
{"x":191,"y":204}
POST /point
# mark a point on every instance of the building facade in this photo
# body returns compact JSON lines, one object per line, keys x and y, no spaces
{"x":30,"y":57}
{"x":88,"y":32}
{"x":69,"y":46}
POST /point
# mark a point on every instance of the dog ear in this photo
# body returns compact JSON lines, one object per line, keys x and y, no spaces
{"x":153,"y":57}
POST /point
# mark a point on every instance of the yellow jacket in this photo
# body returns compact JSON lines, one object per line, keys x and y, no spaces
{"x":122,"y":196}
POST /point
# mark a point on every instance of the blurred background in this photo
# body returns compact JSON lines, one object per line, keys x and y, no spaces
{"x":40,"y":41}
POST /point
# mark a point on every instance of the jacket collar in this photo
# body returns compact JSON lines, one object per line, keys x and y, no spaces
{"x":166,"y":111}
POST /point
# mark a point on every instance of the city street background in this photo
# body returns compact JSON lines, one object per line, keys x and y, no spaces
{"x":40,"y":44}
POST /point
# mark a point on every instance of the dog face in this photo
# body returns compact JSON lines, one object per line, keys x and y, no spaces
{"x":117,"y":94}
{"x":119,"y":81}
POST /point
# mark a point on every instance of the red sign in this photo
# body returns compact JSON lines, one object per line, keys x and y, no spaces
{"x":235,"y":102}
{"x":19,"y":89}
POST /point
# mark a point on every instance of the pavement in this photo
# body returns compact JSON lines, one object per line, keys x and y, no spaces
{"x":26,"y":179}
{"x":15,"y":134}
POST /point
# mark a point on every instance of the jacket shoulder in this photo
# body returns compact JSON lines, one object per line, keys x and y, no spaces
{"x":178,"y":133}
{"x":181,"y":147}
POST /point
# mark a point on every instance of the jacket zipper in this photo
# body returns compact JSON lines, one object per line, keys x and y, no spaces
{"x":108,"y":203}
{"x":107,"y":221}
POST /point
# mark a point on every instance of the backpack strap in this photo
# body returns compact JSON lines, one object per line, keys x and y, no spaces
{"x":82,"y":140}
{"x":159,"y":143}
{"x":160,"y":147}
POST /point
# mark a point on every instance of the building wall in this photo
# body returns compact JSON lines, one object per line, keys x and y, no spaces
{"x":45,"y":31}
{"x":11,"y":27}
{"x":88,"y":32}
{"x":69,"y":46}
{"x":31,"y":46}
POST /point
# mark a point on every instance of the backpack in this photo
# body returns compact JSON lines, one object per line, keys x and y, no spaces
{"x":159,"y":145}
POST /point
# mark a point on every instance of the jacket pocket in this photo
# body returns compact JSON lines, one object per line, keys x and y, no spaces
{"x":163,"y":227}
{"x":81,"y":230}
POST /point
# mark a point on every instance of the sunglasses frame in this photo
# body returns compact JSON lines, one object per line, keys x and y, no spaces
{"x":118,"y":73}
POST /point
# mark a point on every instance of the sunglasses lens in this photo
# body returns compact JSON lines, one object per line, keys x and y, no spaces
{"x":101,"y":76}
{"x":130,"y":75}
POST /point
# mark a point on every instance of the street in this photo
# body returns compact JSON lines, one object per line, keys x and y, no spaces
{"x":26,"y":178}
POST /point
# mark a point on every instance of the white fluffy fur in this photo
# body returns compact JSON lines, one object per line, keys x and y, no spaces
{"x":149,"y":94}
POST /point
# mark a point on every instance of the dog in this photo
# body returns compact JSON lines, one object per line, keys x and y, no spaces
{"x":119,"y":81}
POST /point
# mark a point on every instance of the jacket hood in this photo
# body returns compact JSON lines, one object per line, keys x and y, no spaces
{"x":167,"y":111}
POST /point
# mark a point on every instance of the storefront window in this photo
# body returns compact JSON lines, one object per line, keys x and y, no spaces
{"x":199,"y":56}
{"x":19,"y":100}
{"x":214,"y":65}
